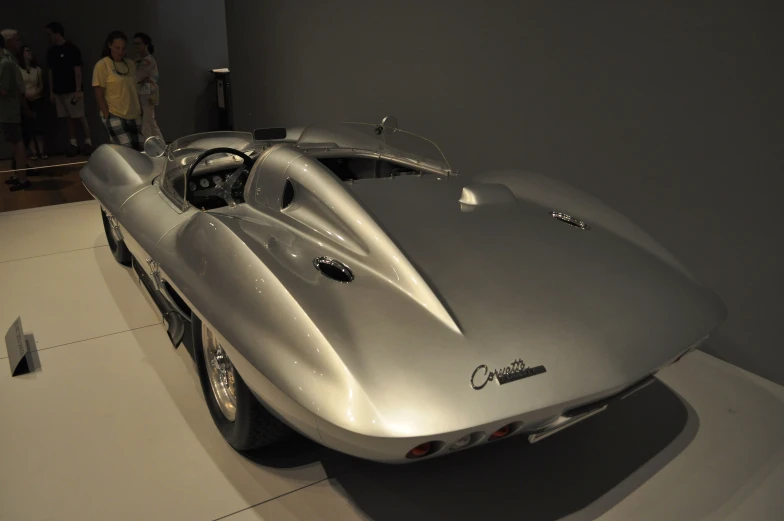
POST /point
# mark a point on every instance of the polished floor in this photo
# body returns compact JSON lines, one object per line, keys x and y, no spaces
{"x":52,"y":184}
{"x":113,"y":426}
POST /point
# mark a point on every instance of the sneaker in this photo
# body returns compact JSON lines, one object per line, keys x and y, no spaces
{"x":44,"y":156}
{"x":32,"y":156}
{"x":72,"y":151}
{"x":14,"y":180}
{"x":87,"y":149}
{"x":21,"y":186}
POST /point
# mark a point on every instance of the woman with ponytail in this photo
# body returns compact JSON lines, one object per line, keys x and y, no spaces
{"x":33,"y":124}
{"x":147,"y":79}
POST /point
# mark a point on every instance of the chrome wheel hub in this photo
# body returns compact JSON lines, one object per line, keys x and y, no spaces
{"x":220,"y":372}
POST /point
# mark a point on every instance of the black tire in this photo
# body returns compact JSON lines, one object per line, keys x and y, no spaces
{"x":118,"y":247}
{"x":253,"y":426}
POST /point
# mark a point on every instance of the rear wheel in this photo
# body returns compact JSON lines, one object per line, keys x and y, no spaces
{"x":241,"y":419}
{"x":116,"y":244}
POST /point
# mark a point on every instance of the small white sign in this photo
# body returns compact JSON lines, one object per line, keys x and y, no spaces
{"x":17,"y":348}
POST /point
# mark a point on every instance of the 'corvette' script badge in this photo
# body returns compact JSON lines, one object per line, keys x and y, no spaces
{"x":517,"y":370}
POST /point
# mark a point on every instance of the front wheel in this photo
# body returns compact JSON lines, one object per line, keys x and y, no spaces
{"x":240,"y":418}
{"x":116,"y":244}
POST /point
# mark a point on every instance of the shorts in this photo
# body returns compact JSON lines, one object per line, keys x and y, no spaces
{"x":126,"y":132}
{"x":66,"y":109}
{"x":12,"y":132}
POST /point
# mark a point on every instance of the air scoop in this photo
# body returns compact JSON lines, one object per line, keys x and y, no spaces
{"x":481,"y":194}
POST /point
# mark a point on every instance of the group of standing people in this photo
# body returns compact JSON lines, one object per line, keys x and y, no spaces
{"x":126,"y":92}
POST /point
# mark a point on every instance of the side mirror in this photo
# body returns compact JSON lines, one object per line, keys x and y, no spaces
{"x":154,"y":146}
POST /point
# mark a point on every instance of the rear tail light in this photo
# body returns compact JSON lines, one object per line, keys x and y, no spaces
{"x":420,"y":451}
{"x":500,"y":433}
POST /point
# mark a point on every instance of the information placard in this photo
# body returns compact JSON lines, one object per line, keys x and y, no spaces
{"x":16,"y":345}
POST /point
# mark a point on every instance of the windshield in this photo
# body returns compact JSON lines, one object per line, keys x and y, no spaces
{"x":393,"y":144}
{"x":181,"y":153}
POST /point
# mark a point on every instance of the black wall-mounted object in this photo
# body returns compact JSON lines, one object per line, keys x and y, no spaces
{"x":223,"y":91}
{"x":269,"y":134}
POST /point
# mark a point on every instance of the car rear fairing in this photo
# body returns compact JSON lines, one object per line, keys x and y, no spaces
{"x":593,"y":308}
{"x":386,"y":307}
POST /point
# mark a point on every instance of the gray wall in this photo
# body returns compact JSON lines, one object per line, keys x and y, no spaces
{"x":189,"y":37}
{"x":671,"y":114}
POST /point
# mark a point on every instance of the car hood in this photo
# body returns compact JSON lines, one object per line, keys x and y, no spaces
{"x":509,"y":266}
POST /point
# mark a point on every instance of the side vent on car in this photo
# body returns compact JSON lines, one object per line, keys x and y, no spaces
{"x":288,"y":195}
{"x":333,"y":269}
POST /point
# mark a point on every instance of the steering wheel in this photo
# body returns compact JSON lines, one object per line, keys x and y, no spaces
{"x":223,"y":188}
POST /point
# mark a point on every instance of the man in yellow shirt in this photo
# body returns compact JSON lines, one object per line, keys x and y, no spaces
{"x":114,"y":81}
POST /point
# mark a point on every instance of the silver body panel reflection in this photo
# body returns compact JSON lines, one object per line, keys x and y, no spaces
{"x":449,"y":273}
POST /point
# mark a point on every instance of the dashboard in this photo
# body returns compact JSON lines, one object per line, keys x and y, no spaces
{"x":207,"y":181}
{"x":202,"y":190}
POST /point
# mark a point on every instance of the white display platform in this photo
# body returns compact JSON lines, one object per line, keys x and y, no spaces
{"x":114,"y":427}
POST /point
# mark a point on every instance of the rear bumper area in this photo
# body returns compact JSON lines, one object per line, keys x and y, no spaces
{"x":586,"y":411}
{"x":537,"y":425}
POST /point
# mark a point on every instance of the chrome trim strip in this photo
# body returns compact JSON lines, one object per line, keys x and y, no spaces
{"x":129,"y":197}
{"x":568,"y":219}
{"x":641,"y":385}
{"x":166,"y":233}
{"x":558,"y":427}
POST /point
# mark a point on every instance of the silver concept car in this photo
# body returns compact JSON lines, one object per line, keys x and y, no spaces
{"x":342,"y":281}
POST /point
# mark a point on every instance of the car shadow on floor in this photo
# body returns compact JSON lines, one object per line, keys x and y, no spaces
{"x":582,"y":471}
{"x":577,"y":474}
